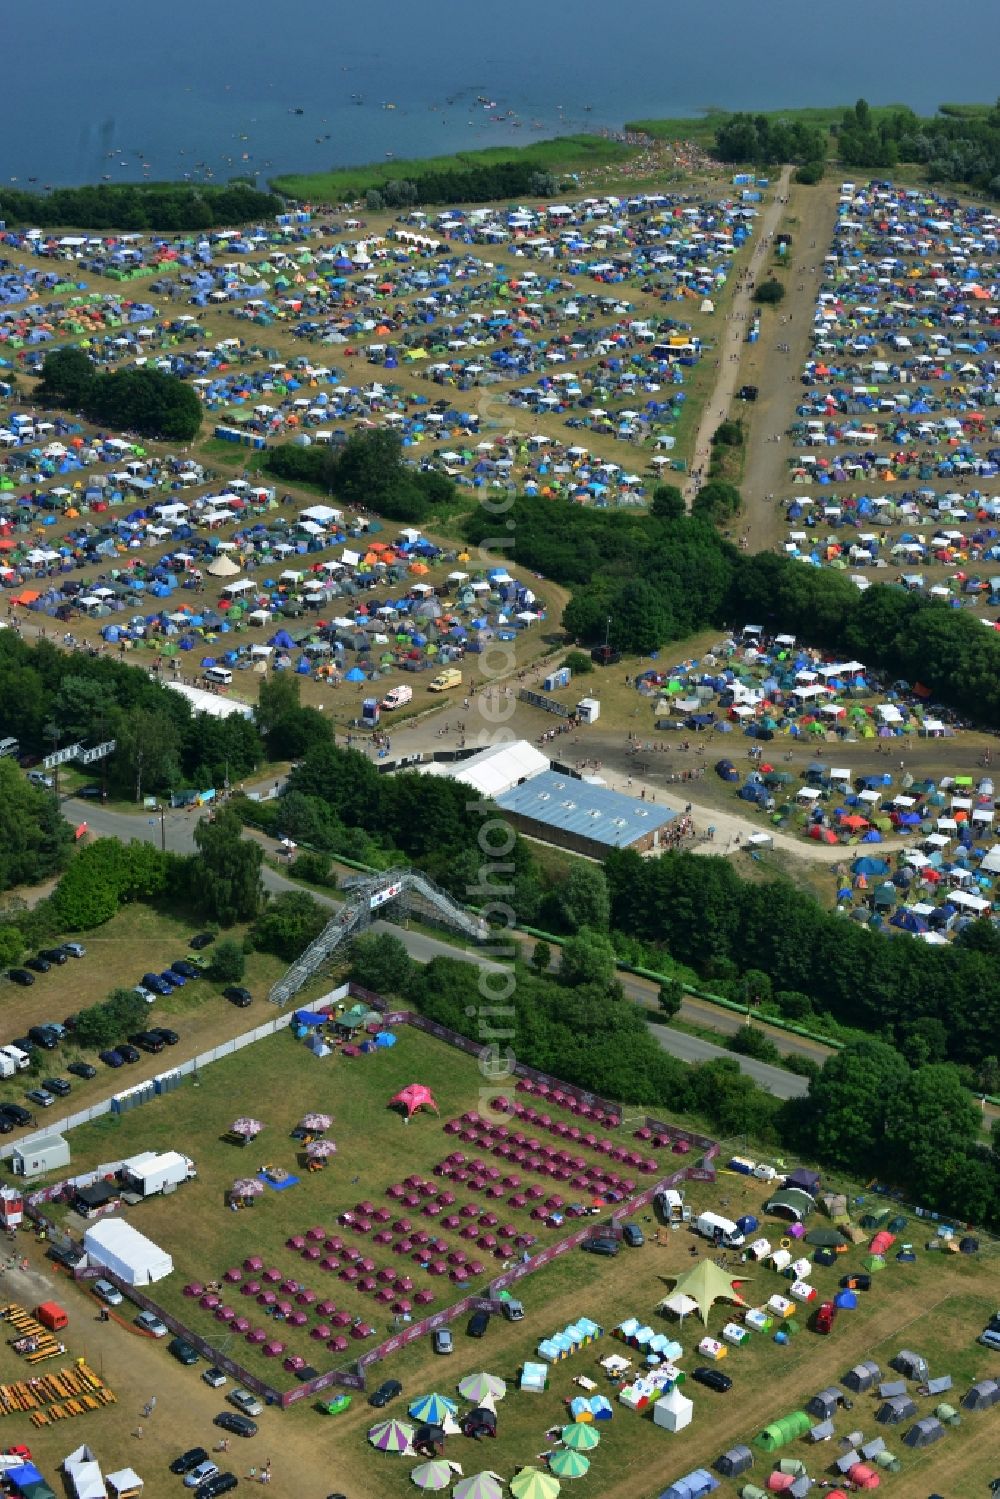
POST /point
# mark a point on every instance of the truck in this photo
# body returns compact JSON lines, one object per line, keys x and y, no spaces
{"x":722,"y":1231}
{"x":8,"y":1067}
{"x":396,"y":697}
{"x":20,"y":1058}
{"x":450,"y":677}
{"x":151,"y":1173}
{"x":671,"y":1205}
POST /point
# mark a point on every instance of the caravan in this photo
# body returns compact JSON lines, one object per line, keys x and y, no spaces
{"x":720,"y":1230}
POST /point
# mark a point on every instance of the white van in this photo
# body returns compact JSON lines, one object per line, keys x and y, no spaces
{"x":20,"y":1058}
{"x":719,"y":1230}
{"x":220,"y":675}
{"x":397,"y":696}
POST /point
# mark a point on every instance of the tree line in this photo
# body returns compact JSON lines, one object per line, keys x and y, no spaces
{"x":368,"y":471}
{"x":165,"y":206}
{"x":691,"y":576}
{"x":148,"y":401}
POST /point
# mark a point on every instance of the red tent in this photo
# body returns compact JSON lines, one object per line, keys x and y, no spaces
{"x":413,"y":1097}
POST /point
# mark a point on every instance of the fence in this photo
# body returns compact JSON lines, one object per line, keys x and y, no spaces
{"x":487,"y":1300}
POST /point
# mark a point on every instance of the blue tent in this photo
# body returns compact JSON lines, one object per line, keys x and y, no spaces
{"x":354,"y":675}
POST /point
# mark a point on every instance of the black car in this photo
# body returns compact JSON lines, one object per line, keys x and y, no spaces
{"x":5,"y":1125}
{"x":713,"y":1379}
{"x":386,"y":1391}
{"x":203,"y":939}
{"x":111,"y":1058}
{"x":633,"y":1235}
{"x":82,"y":1069}
{"x":147,"y":1041}
{"x":183,"y":1352}
{"x":219,"y":1483}
{"x":39,"y":964}
{"x":57,"y":1085}
{"x":478,"y":1324}
{"x":44,"y":1036}
{"x":237,"y":996}
{"x":15,"y":1113}
{"x":166,"y":1035}
{"x":601,"y":1245}
{"x":24,"y":1043}
{"x":241,"y":1426}
{"x":54,"y":955}
{"x":21,"y":976}
{"x":186,"y":970}
{"x":128,"y":1053}
{"x":189,"y":1460}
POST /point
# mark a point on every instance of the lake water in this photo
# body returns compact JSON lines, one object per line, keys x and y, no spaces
{"x":96,"y":89}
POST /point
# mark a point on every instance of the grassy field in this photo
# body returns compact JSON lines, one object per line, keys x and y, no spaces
{"x":936,"y":1306}
{"x":564,"y":153}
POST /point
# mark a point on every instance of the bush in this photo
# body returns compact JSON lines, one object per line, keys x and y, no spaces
{"x":728,"y":434}
{"x":810,"y":173}
{"x":579,"y":663}
{"x":228,"y":962}
{"x":750,"y":1041}
{"x":769,"y":293}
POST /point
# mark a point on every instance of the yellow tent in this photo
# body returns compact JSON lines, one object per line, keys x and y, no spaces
{"x":704,"y":1284}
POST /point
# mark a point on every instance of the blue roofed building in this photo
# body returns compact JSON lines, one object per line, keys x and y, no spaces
{"x":583,"y":816}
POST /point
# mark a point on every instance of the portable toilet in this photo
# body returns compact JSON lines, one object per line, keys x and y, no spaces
{"x":370,"y":710}
{"x":588,"y":710}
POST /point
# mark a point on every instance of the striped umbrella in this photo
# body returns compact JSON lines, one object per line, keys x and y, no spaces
{"x":435,"y":1475}
{"x":569,"y":1464}
{"x":475,"y":1386}
{"x":432,"y":1409}
{"x":532,"y":1483}
{"x":580,"y":1438}
{"x":480,"y":1486}
{"x":392,"y":1436}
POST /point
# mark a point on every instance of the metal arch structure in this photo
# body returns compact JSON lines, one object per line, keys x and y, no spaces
{"x":368,"y":900}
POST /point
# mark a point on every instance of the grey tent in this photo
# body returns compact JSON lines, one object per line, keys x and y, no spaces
{"x":800,"y":1487}
{"x":872,"y":1449}
{"x":734,"y":1462}
{"x":891,"y":1387}
{"x":893,"y":1411}
{"x":792,"y":1203}
{"x":826,"y":1237}
{"x":848,"y":1461}
{"x":983,"y":1395}
{"x":910,"y":1364}
{"x":821,"y":1433}
{"x":936,"y":1386}
{"x":947,"y":1414}
{"x":924,"y":1433}
{"x":824,"y":1405}
{"x":861,"y":1378}
{"x":807,"y":1180}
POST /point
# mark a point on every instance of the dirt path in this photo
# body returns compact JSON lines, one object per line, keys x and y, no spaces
{"x":731,"y":346}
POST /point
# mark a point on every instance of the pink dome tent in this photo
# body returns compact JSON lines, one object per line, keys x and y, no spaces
{"x":412,"y":1098}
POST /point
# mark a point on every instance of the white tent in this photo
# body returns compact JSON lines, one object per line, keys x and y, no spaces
{"x":125,"y":1481}
{"x":115,"y":1245}
{"x":224,"y":567}
{"x":673,"y":1411}
{"x":84,"y":1473}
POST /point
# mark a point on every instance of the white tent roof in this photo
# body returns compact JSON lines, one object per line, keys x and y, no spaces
{"x":116,"y":1245}
{"x":495,"y":770}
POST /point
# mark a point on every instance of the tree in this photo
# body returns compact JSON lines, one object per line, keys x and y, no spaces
{"x":381,"y":964}
{"x":579,"y":663}
{"x":145,"y":400}
{"x":226,"y":886}
{"x":34,"y":839}
{"x":11,"y":945}
{"x":288,"y":923}
{"x":227,"y":963}
{"x":583,"y":898}
{"x":667,"y":503}
{"x":67,"y":376}
{"x":147,"y":753}
{"x":751,"y":1041}
{"x":278,"y":697}
{"x":769,"y":292}
{"x":587,"y":958}
{"x":670,"y":997}
{"x":987,"y":1072}
{"x":541,"y":957}
{"x":853,"y":1103}
{"x":932,"y":1125}
{"x":717,"y":501}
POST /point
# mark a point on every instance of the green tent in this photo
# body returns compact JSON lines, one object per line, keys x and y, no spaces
{"x":704,"y":1284}
{"x":781,"y":1432}
{"x":873,"y":1263}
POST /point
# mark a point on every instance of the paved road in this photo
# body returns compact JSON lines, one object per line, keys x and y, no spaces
{"x":693,"y":1049}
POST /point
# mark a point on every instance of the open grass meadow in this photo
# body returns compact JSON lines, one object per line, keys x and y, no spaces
{"x":936,"y":1306}
{"x":565,"y":153}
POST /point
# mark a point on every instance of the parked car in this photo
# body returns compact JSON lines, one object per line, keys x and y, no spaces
{"x":39,"y":778}
{"x":148,"y":1041}
{"x":166,"y":1035}
{"x":633,"y":1235}
{"x":38,"y":963}
{"x":185,"y":969}
{"x":57,"y":1085}
{"x":388,"y":1390}
{"x":601,"y":1245}
{"x":82,"y":1069}
{"x":203,"y":939}
{"x":478,"y":1324}
{"x":183,"y":1352}
{"x":443,"y":1341}
{"x":826,"y":1316}
{"x":75,"y":949}
{"x":245,"y":1401}
{"x":155,"y":984}
{"x":40,"y":1098}
{"x":16,"y":1114}
{"x":54,"y":954}
{"x":241,"y":1426}
{"x":713,"y":1379}
{"x":128,"y":1053}
{"x":108,"y":1293}
{"x":336,"y":1405}
{"x":111,"y":1058}
{"x":990,"y":1340}
{"x":214,"y":1378}
{"x":238,"y":996}
{"x":206,"y":1469}
{"x":189,"y":1460}
{"x":219,"y":1483}
{"x":21,"y":976}
{"x":173,"y":980}
{"x":150,"y":1322}
{"x":146,"y":995}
